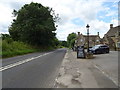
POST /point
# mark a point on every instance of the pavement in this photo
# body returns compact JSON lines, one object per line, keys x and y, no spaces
{"x":82,"y":73}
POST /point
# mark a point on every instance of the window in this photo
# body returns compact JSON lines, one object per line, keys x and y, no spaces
{"x":95,"y":47}
{"x":103,"y":46}
{"x":81,"y":40}
{"x":118,"y":44}
{"x":119,"y":33}
{"x":97,"y":40}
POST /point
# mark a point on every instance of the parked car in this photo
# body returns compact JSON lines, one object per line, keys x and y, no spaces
{"x":99,"y":49}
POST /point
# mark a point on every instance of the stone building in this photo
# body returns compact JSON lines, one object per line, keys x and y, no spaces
{"x":112,"y":37}
{"x":83,"y":40}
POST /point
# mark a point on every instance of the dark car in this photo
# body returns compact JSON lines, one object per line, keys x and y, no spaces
{"x":99,"y":49}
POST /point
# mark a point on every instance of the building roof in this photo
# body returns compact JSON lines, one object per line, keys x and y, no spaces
{"x":113,"y":31}
{"x":92,"y":37}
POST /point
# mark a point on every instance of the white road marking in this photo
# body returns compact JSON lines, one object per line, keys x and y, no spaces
{"x":21,"y":62}
{"x":107,"y":75}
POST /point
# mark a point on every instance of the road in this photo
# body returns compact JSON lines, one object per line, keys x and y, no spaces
{"x":36,"y":70}
{"x":108,"y":65}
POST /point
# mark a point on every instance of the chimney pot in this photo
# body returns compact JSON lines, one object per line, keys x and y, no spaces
{"x":78,"y":33}
{"x":98,"y":33}
{"x":111,"y":26}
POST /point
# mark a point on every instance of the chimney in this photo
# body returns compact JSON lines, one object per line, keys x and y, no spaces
{"x":78,"y":33}
{"x":111,"y":26}
{"x":98,"y":33}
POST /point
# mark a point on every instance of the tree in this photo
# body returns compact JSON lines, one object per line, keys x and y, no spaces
{"x":5,"y":36}
{"x":56,"y":42}
{"x":72,"y":42}
{"x":63,"y":43}
{"x":34,"y":24}
{"x":71,"y":39}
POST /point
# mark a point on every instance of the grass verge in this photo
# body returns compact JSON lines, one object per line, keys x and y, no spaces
{"x":14,"y":48}
{"x":10,"y":49}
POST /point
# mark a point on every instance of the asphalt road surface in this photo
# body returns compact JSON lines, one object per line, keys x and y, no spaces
{"x":108,"y":63}
{"x":36,"y":70}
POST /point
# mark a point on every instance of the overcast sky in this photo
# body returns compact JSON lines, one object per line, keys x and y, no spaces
{"x":74,"y":14}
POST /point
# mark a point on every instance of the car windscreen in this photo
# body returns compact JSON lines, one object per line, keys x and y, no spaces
{"x":95,"y":47}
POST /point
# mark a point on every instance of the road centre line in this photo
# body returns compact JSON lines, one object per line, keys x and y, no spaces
{"x":21,"y":62}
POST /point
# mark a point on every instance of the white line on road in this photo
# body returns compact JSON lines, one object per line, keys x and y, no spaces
{"x":21,"y":62}
{"x":106,"y":74}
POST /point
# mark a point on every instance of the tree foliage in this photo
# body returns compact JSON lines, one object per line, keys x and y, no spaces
{"x":7,"y":37}
{"x":63,"y":43}
{"x":71,"y":39}
{"x":34,"y":24}
{"x":4,"y":36}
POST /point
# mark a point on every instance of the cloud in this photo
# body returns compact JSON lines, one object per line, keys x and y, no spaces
{"x":95,"y":26}
{"x":115,"y":22}
{"x":6,"y":18}
{"x":84,"y":10}
{"x":13,"y":4}
{"x":99,"y":26}
{"x":111,"y":13}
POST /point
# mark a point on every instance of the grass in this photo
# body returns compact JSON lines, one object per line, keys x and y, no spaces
{"x":14,"y":48}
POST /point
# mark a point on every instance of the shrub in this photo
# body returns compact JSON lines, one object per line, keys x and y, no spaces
{"x":15,"y":48}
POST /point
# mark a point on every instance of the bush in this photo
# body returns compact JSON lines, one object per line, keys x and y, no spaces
{"x":15,"y":48}
{"x":89,"y":55}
